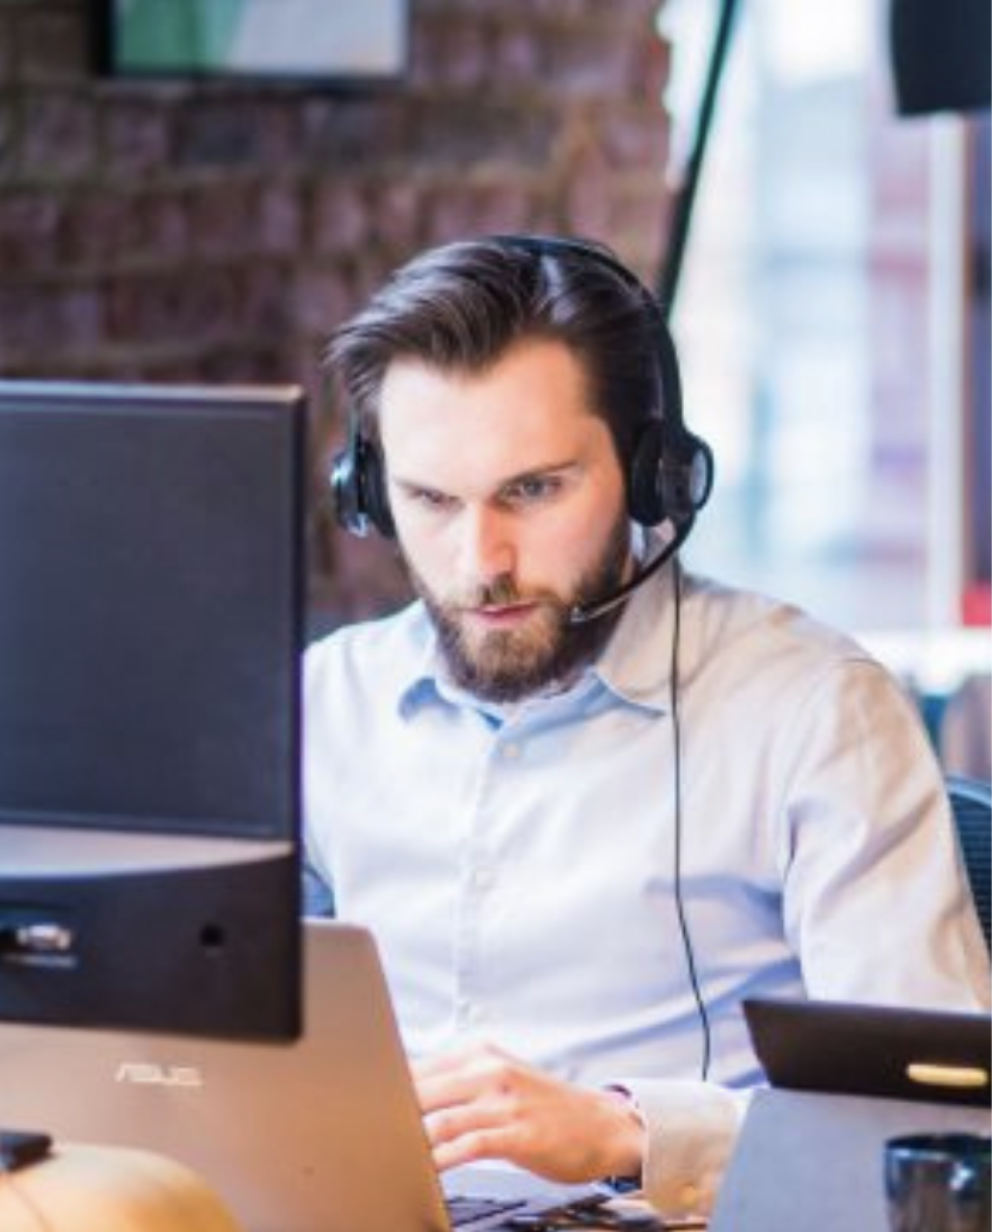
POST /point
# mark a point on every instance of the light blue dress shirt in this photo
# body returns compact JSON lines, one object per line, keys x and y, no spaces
{"x":517,"y":865}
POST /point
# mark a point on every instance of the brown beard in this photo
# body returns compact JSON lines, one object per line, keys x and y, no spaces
{"x":507,"y":666}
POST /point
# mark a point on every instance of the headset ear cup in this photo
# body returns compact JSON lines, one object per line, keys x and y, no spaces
{"x":671,"y":476}
{"x":696,"y":473}
{"x":375,"y":494}
{"x":644,"y":494}
{"x":358,"y":489}
{"x":345,"y":494}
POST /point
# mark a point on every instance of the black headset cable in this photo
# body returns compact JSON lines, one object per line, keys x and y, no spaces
{"x":673,"y":688}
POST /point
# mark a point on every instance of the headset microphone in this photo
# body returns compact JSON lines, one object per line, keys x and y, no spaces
{"x":582,"y":613}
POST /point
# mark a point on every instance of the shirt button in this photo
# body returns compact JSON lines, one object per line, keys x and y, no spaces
{"x":511,"y":752}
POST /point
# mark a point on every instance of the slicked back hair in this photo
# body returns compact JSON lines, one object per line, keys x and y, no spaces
{"x":461,"y":307}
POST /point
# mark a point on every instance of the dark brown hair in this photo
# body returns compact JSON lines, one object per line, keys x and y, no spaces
{"x":460,"y":307}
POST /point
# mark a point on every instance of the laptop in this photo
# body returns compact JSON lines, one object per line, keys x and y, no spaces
{"x":845,"y":1078}
{"x":320,"y":1135}
{"x":917,"y":1054}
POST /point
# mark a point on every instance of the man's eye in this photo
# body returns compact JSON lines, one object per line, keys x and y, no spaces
{"x":428,"y":498}
{"x":531,"y":488}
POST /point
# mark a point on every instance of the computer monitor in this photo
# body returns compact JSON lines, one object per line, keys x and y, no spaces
{"x":151,"y":616}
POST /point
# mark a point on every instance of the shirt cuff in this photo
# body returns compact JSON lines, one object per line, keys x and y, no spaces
{"x":626,"y":1184}
{"x":691,"y":1131}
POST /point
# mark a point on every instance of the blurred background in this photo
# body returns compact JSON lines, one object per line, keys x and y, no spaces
{"x":200,"y":190}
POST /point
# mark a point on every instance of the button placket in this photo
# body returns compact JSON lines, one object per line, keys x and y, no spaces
{"x":481,"y":873}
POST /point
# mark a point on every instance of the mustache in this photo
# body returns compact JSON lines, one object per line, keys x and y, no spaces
{"x":501,"y":591}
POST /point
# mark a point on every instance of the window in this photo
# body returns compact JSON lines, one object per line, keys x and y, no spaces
{"x":823,"y":321}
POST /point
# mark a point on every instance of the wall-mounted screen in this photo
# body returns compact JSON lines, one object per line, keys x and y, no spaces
{"x":330,"y":41}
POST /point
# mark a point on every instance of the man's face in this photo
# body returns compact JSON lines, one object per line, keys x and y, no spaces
{"x":510,"y":508}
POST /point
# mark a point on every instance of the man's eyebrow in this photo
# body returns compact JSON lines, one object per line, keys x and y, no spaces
{"x":411,"y":486}
{"x":544,"y":470}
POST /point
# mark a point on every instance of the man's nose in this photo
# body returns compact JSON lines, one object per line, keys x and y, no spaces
{"x":487,"y":547}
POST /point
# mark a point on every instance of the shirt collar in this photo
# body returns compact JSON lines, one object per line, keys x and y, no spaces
{"x":418,"y":673}
{"x":636,"y":663}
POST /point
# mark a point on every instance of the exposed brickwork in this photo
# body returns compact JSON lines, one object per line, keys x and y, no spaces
{"x":174,"y":231}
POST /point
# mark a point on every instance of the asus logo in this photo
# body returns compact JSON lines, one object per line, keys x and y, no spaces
{"x":147,"y":1073}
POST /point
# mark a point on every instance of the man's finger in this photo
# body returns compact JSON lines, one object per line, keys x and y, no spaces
{"x":477,"y":1076}
{"x":438,"y":1063}
{"x":475,"y":1054}
{"x":451,"y":1123}
{"x":472,"y":1147}
{"x":495,"y":1085}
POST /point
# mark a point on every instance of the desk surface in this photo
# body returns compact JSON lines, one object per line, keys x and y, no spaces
{"x":819,"y":1158}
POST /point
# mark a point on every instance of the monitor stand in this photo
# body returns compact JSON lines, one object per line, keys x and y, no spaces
{"x":165,"y":932}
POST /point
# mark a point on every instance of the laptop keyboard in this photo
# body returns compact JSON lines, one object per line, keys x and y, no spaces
{"x":515,"y":1215}
{"x":463,"y":1212}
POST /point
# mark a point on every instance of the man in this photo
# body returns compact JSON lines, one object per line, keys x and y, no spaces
{"x":587,"y":802}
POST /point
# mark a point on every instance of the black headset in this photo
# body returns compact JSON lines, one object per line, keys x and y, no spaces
{"x":670,"y":471}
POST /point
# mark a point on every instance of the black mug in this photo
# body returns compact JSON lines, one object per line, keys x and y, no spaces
{"x":938,"y":1182}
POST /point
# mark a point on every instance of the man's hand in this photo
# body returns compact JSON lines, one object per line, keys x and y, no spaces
{"x":480,"y":1103}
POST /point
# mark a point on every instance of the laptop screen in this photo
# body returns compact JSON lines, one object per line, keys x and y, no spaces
{"x":930,"y":1055}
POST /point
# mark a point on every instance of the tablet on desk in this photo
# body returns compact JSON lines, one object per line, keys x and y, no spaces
{"x":845,"y":1048}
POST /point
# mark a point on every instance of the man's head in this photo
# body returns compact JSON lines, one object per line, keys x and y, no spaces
{"x":505,"y":392}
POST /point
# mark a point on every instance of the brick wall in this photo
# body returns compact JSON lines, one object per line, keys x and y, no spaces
{"x":212,"y":232}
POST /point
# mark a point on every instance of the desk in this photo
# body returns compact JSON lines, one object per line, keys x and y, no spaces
{"x":103,"y":1189}
{"x":815,"y":1161}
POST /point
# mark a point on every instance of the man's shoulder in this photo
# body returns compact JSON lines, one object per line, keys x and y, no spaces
{"x":769,"y":662}
{"x":392,"y":646}
{"x":739,"y":619}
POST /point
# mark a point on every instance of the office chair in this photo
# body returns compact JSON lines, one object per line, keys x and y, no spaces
{"x":971,"y":803}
